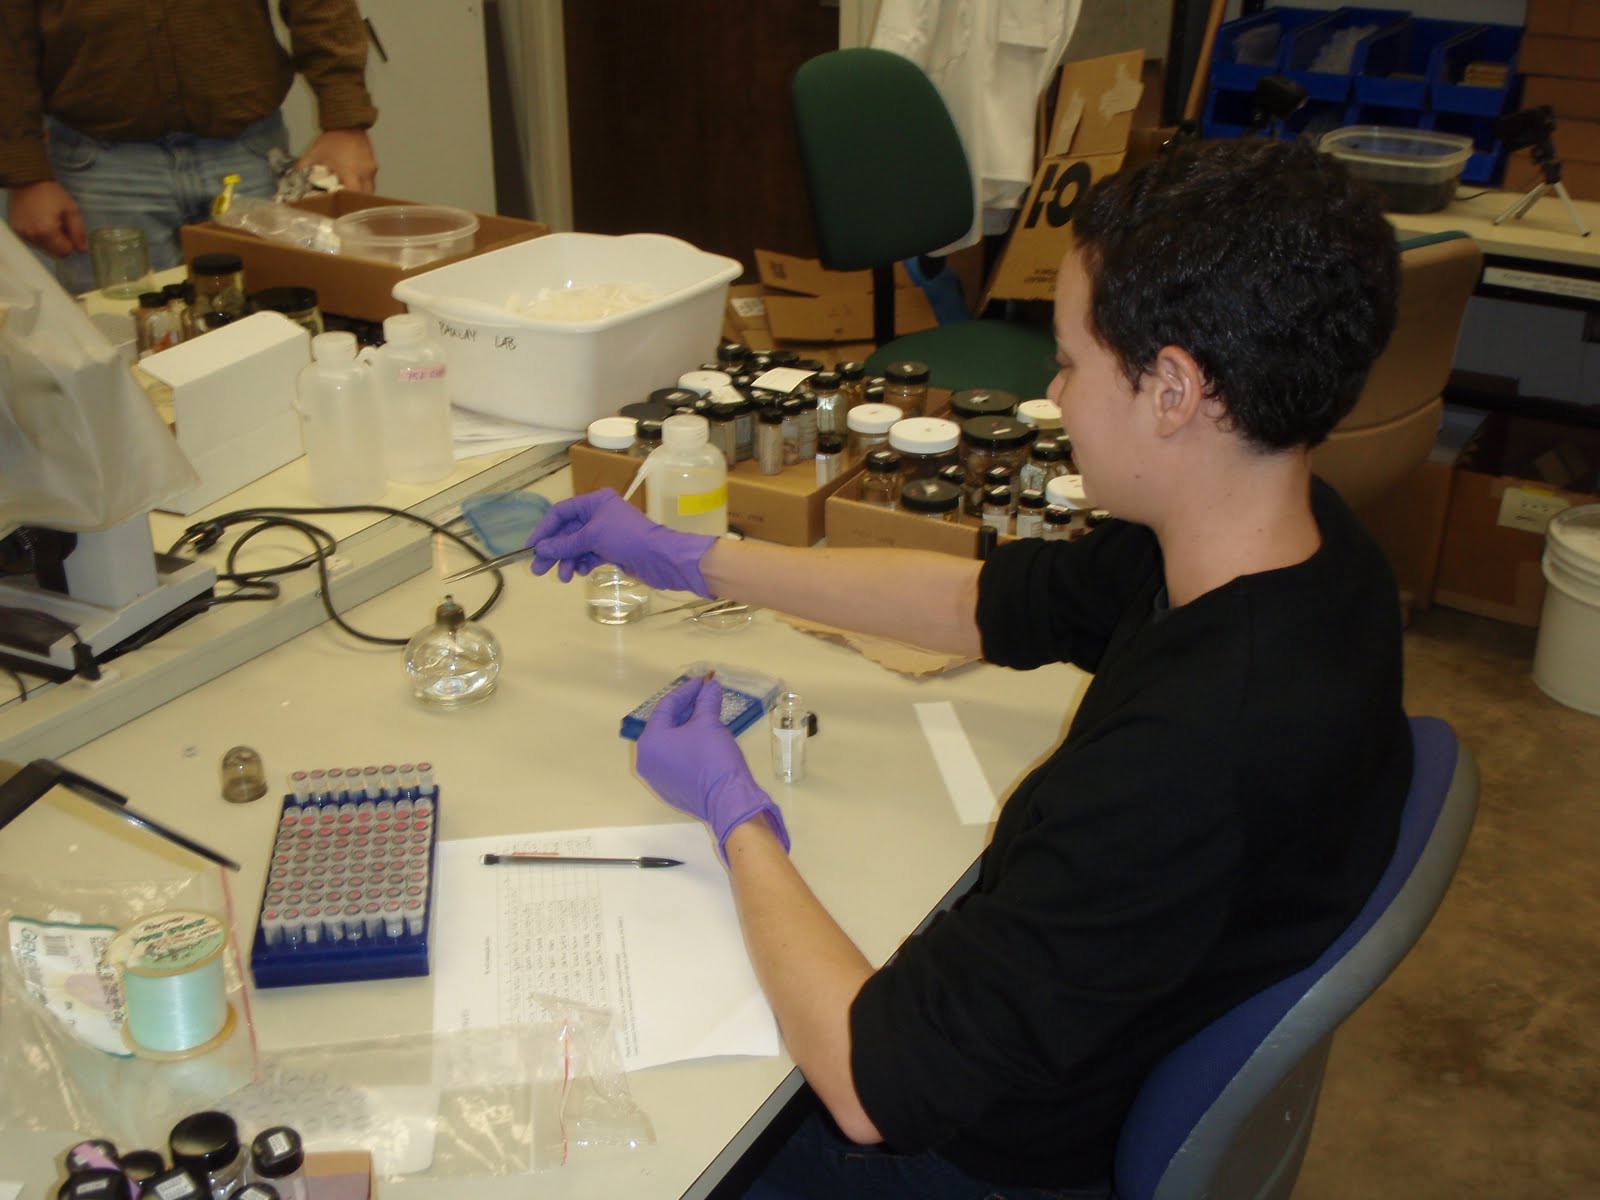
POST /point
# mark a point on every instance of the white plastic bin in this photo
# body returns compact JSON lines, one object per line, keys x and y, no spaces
{"x":1566,"y":659}
{"x":561,"y":374}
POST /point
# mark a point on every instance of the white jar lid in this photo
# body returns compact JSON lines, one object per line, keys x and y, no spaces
{"x":872,"y":418}
{"x":612,"y":433}
{"x":925,"y":435}
{"x":1041,"y":414}
{"x":704,"y":382}
{"x":1066,"y":491}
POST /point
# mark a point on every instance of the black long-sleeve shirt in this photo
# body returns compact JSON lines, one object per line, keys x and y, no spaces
{"x":1226,"y":797}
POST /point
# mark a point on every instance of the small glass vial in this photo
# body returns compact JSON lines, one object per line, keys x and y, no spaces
{"x":926,"y":445}
{"x":988,"y":442}
{"x":982,"y":402}
{"x":243,"y":777}
{"x":1030,"y":513}
{"x":1002,"y":476}
{"x":830,"y":457}
{"x":613,"y":434}
{"x":852,"y":383}
{"x":880,"y":479}
{"x":1043,"y":415}
{"x":1058,"y":523}
{"x":869,"y":426}
{"x":722,"y":421}
{"x":174,"y":1183}
{"x":792,"y":417}
{"x":831,"y":406}
{"x":277,"y":1158}
{"x":453,"y":662}
{"x":1047,"y":459}
{"x":299,"y":304}
{"x":792,"y":723}
{"x":806,"y":425}
{"x":732,"y":356}
{"x":997,"y":508}
{"x":769,"y":441}
{"x":905,"y":385}
{"x":929,"y":497}
{"x":955,"y":473}
{"x":206,"y":1144}
{"x":177,"y":295}
{"x":646,"y":437}
{"x":154,"y":325}
{"x":732,"y":402}
{"x":218,"y":289}
{"x":613,"y":596}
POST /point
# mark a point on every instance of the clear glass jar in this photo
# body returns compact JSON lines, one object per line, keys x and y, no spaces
{"x":177,"y":295}
{"x":613,"y":597}
{"x":1030,"y":513}
{"x":926,"y":445}
{"x":1059,"y":522}
{"x":792,"y":416}
{"x":853,"y":383}
{"x":155,"y":327}
{"x":929,"y":497}
{"x":1003,"y":476}
{"x":982,"y":402}
{"x":830,"y":457}
{"x":869,"y":426}
{"x":299,"y":304}
{"x":206,"y":1144}
{"x":614,"y":434}
{"x":831,"y":405}
{"x":806,"y":445}
{"x":880,"y":479}
{"x":997,"y":508}
{"x":243,"y":777}
{"x":722,"y":422}
{"x":992,"y":442}
{"x":646,"y":437}
{"x":769,"y":441}
{"x":905,"y":385}
{"x":453,"y":662}
{"x":277,"y":1158}
{"x":1047,"y":459}
{"x":1043,"y":415}
{"x":218,"y":288}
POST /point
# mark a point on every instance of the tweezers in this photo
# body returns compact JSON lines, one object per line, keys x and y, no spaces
{"x":491,"y":564}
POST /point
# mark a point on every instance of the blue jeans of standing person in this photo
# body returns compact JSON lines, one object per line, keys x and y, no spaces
{"x":159,"y":185}
{"x":819,"y":1161}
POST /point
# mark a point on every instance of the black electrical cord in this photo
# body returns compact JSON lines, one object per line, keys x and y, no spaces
{"x":205,"y":534}
{"x":22,"y":684}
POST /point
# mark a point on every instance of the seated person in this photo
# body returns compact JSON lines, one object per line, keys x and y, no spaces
{"x":1230,"y":786}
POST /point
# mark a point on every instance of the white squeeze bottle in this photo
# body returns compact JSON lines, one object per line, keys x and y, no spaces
{"x":417,"y":445}
{"x":686,"y":478}
{"x":339,"y":423}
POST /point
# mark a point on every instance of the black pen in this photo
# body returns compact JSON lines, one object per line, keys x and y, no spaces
{"x":536,"y":856}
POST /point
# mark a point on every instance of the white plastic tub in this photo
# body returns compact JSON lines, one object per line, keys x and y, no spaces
{"x":1566,"y":658}
{"x":564,"y":374}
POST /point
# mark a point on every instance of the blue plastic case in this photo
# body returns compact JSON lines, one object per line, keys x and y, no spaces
{"x":745,"y":696}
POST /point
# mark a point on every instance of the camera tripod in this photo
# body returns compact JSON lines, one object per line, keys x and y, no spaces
{"x":1544,"y":154}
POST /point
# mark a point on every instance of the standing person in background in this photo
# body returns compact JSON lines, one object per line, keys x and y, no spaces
{"x":130,"y":112}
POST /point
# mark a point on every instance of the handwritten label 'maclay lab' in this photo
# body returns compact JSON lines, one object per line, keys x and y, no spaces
{"x":467,"y":333}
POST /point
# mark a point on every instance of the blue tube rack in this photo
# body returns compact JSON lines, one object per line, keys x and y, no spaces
{"x":279,"y":959}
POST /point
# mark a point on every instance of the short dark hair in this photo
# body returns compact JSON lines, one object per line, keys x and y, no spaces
{"x":1262,"y":259}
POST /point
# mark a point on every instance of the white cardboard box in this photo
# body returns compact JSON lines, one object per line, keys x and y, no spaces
{"x":233,"y":403}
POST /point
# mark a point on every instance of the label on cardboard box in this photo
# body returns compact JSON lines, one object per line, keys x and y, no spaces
{"x":1042,"y":234}
{"x":1529,"y":508}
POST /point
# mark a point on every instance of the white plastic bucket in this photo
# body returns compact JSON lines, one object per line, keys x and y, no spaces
{"x":564,"y":374}
{"x":1566,"y":659}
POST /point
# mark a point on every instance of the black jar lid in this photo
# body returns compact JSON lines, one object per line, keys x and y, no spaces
{"x":873,"y":394}
{"x":221,"y":263}
{"x":204,"y":1141}
{"x":769,"y":414}
{"x":808,"y":364}
{"x":851,"y":370}
{"x":673,"y":397}
{"x":830,"y":443}
{"x":277,"y":1152}
{"x":906,"y":372}
{"x":646,"y":410}
{"x":790,"y":406}
{"x":983,"y":402}
{"x":94,"y":1183}
{"x":1055,"y":514}
{"x":726,"y":408}
{"x":152,"y":300}
{"x":1048,"y":450}
{"x":1031,"y":498}
{"x":824,"y":381}
{"x":929,"y":495}
{"x":648,"y":429}
{"x":807,"y":400}
{"x":100,"y":1146}
{"x":955,"y":473}
{"x":767,"y":397}
{"x":783,"y":358}
{"x":178,"y":291}
{"x":1000,"y":495}
{"x":139,"y":1165}
{"x":997,"y":433}
{"x":175,"y":1183}
{"x":883,"y":461}
{"x":284,"y":299}
{"x":731,"y":354}
{"x":997,"y":475}
{"x":1097,"y":516}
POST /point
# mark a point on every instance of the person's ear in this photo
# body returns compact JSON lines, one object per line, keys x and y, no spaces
{"x":1175,"y":387}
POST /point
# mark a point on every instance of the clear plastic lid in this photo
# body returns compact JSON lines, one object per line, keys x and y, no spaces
{"x":924,"y":435}
{"x":872,"y":418}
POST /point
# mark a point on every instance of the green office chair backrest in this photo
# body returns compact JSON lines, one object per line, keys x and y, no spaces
{"x":884,"y":164}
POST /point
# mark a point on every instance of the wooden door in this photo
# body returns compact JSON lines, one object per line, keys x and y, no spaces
{"x":681,"y":123}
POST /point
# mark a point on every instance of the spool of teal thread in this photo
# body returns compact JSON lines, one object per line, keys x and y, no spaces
{"x":174,"y":992}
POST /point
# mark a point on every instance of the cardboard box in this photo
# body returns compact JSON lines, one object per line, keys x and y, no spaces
{"x":1572,"y":99}
{"x":746,"y":321}
{"x":1561,"y":55}
{"x":1515,"y":474}
{"x":1088,"y":140}
{"x":806,"y":302}
{"x":229,"y":398}
{"x":1580,"y":18}
{"x":346,"y":285}
{"x":850,"y":522}
{"x":786,"y":508}
{"x":1582,"y":179}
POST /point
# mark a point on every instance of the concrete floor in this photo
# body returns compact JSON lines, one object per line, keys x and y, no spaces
{"x":1475,"y":1069}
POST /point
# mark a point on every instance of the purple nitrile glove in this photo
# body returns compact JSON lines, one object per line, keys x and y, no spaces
{"x":691,"y":760}
{"x":579,"y":534}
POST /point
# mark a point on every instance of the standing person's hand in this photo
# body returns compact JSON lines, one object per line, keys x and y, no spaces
{"x":579,"y":534}
{"x":348,"y":154}
{"x":691,"y":760}
{"x":46,"y":216}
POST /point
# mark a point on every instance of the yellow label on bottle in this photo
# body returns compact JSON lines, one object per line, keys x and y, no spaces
{"x":693,"y":504}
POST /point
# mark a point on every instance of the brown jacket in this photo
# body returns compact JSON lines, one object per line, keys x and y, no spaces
{"x":130,"y":70}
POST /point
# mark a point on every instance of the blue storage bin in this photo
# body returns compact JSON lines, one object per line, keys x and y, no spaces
{"x":1485,"y":162}
{"x":1315,"y":118}
{"x":1378,"y":114}
{"x":1306,"y":45}
{"x":1401,"y":61}
{"x":1227,"y":113}
{"x":1488,"y":43}
{"x":1262,"y":38}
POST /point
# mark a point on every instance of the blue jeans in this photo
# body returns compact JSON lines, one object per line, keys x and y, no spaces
{"x":818,"y":1161}
{"x":157,"y":186}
